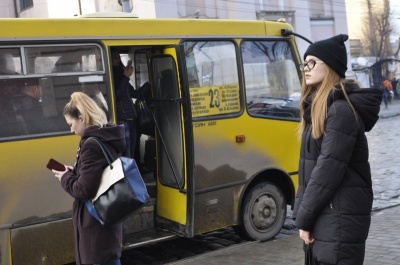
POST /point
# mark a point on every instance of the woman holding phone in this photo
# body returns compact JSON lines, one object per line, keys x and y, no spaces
{"x":94,"y":244}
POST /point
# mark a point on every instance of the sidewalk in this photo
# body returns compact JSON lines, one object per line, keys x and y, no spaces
{"x":383,"y":247}
{"x":392,"y":110}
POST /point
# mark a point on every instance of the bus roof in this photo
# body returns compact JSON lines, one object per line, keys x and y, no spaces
{"x":134,"y":28}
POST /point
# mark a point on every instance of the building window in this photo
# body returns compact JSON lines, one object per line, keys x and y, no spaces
{"x":25,"y":4}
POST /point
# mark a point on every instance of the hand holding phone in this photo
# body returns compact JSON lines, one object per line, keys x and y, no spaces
{"x":128,"y":70}
{"x":53,"y":164}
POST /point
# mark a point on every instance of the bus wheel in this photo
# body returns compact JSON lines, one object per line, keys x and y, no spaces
{"x":263,"y":213}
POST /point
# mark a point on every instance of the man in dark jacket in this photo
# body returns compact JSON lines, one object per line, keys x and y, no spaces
{"x":28,"y":106}
{"x":126,"y":113}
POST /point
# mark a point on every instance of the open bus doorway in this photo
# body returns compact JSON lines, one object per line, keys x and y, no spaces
{"x":163,"y":155}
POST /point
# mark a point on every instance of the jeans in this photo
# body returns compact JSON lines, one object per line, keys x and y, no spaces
{"x":111,"y":262}
{"x":130,"y":137}
{"x":386,"y":98}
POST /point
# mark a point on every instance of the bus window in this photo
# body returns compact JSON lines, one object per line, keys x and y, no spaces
{"x":271,"y":79}
{"x":63,"y":59}
{"x":10,"y":61}
{"x":213,"y":77}
{"x":141,"y":68}
{"x":33,"y":104}
{"x":141,"y":73}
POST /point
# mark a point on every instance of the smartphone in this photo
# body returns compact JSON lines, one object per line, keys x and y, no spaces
{"x":53,"y":164}
{"x":129,"y":63}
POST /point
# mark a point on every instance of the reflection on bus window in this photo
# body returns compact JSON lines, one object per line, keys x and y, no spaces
{"x":271,"y":79}
{"x":213,"y":77}
{"x":61,"y":59}
{"x":10,"y":61}
{"x":170,"y":149}
{"x":33,"y":104}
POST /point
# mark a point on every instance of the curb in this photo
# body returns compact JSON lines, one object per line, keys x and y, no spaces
{"x":384,"y":208}
{"x":385,"y":116}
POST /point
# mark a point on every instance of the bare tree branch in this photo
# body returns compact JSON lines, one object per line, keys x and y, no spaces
{"x":377,"y":29}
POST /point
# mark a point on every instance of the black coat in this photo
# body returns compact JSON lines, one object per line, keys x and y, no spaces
{"x":93,"y":242}
{"x":124,"y":92}
{"x":334,"y":199}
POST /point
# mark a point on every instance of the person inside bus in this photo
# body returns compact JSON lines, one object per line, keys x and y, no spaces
{"x":126,"y":113}
{"x":94,"y":244}
{"x":27,"y":104}
{"x":334,"y":199}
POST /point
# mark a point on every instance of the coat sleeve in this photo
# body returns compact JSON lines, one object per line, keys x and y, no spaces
{"x":123,"y":87}
{"x":341,"y":130}
{"x":84,"y":181}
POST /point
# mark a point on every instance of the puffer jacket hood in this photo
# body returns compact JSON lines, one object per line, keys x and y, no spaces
{"x":366,"y":102}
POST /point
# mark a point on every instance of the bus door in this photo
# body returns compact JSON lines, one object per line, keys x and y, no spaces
{"x":174,"y":141}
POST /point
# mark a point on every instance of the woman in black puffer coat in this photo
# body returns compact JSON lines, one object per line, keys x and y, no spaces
{"x":334,"y":199}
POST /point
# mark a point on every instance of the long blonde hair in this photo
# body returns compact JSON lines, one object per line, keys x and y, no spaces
{"x":82,"y":105}
{"x":319,"y":102}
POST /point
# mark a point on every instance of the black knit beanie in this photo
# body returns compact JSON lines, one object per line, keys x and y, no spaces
{"x":331,"y":51}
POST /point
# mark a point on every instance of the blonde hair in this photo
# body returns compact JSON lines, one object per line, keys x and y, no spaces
{"x":319,"y":102}
{"x":82,"y":105}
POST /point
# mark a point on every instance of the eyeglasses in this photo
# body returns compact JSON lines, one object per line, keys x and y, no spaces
{"x":310,"y":65}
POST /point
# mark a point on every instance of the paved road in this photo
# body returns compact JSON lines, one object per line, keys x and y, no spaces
{"x":384,"y":143}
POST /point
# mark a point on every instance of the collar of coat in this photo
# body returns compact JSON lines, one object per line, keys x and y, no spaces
{"x":366,"y":101}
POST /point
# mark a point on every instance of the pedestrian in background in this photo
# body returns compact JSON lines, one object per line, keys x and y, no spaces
{"x":94,"y":244}
{"x":394,"y":86}
{"x":386,"y":93}
{"x":389,"y":88}
{"x":334,"y":200}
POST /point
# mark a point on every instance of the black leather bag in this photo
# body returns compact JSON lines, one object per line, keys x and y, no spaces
{"x":144,"y":119}
{"x":122,"y":190}
{"x":309,"y":259}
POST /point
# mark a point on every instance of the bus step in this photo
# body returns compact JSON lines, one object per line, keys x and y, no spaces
{"x":151,"y":190}
{"x":147,"y":237}
{"x":141,"y":220}
{"x":151,"y":183}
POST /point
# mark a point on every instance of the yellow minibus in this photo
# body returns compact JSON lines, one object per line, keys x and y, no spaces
{"x":225,"y":98}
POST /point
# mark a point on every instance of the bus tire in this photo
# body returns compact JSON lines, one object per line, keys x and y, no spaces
{"x":263,"y":213}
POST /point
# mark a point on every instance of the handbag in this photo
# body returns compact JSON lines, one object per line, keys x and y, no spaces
{"x":122,"y":190}
{"x":144,"y":118}
{"x":308,"y":251}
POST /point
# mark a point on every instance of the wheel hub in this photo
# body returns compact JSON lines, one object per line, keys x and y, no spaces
{"x":264,"y":211}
